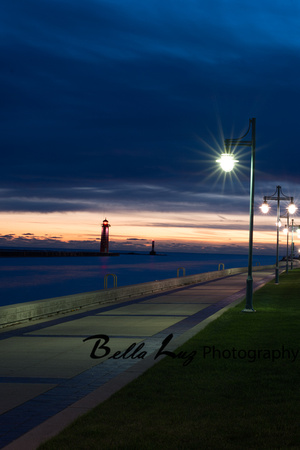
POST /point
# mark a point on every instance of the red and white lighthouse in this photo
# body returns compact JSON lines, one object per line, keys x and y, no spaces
{"x":104,"y":237}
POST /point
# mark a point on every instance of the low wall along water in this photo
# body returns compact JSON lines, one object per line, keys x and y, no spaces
{"x":18,"y":313}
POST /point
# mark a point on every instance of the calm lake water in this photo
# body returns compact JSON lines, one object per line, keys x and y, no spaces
{"x":36,"y":278}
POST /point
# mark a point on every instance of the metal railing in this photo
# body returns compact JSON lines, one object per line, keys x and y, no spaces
{"x":114,"y":277}
{"x":183,"y":271}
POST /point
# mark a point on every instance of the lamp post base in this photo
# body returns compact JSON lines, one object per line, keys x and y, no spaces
{"x":247,"y":310}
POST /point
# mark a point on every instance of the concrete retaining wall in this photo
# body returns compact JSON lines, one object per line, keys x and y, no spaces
{"x":20,"y":312}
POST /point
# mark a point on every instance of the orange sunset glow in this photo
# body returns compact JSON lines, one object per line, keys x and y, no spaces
{"x":171,"y":231}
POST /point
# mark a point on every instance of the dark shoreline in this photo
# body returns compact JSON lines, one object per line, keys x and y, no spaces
{"x":16,"y":253}
{"x":51,"y":253}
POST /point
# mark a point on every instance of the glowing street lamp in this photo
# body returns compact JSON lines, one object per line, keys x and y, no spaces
{"x":227,"y":162}
{"x":265,"y":207}
{"x":278,"y":195}
{"x":292,"y":207}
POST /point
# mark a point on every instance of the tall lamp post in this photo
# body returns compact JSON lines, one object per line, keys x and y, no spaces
{"x":294,"y":227}
{"x":227,"y":162}
{"x":278,"y":196}
{"x":286,"y":231}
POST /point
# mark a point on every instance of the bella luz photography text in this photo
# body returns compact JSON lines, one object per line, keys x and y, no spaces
{"x":138,"y":351}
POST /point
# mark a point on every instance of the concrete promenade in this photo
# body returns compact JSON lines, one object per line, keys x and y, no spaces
{"x":48,"y":378}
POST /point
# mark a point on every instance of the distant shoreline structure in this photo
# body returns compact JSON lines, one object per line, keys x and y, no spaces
{"x":51,"y":253}
{"x":16,"y":253}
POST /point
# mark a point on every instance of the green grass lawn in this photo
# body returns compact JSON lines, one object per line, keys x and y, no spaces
{"x":240,"y":400}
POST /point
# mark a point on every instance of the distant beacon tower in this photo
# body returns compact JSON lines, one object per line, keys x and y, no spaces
{"x":104,"y":237}
{"x":153,"y":252}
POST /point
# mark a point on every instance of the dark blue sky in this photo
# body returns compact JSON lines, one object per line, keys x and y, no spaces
{"x":116,"y":105}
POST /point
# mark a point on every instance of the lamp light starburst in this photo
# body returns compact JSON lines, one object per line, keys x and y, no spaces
{"x":227,"y":162}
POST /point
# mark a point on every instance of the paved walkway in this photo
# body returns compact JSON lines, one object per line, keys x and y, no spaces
{"x":48,"y":378}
